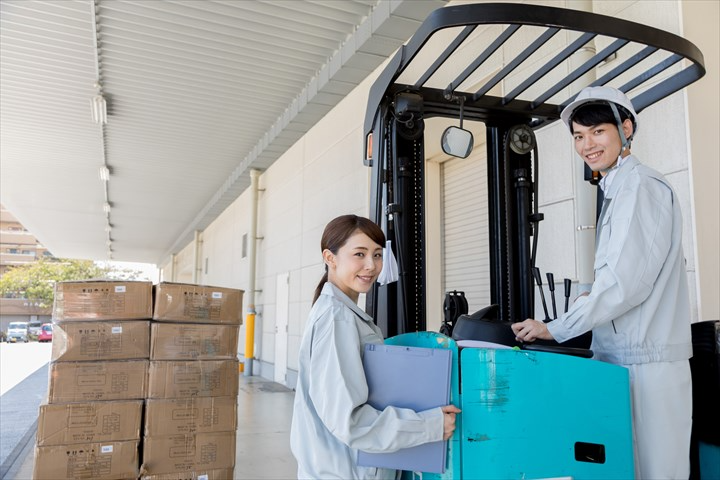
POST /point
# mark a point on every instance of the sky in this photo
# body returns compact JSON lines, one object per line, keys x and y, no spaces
{"x":147,"y":271}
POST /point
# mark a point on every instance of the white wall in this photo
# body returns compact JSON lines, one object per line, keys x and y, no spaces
{"x":322,"y":176}
{"x":700,"y":26}
{"x":318,"y":178}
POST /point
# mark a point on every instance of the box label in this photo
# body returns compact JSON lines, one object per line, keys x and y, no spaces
{"x":120,"y":382}
{"x":90,"y":380}
{"x":182,"y":451}
{"x":111,"y":423}
{"x":184,"y":413}
{"x":79,"y":467}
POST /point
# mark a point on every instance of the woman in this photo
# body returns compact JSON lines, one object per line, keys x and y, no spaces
{"x":331,"y":419}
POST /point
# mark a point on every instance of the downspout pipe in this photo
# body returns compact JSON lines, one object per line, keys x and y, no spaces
{"x":173,"y":267}
{"x":197,"y":265}
{"x":252,"y":256}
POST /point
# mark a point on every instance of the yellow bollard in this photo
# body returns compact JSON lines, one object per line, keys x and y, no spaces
{"x":249,"y":343}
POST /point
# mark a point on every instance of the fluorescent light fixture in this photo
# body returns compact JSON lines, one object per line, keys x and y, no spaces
{"x":104,"y":173}
{"x":106,"y":207}
{"x":99,"y":109}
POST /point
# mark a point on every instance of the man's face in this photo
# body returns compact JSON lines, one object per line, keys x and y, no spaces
{"x":598,"y":145}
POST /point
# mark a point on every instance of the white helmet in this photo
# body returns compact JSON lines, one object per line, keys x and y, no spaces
{"x":607,"y":95}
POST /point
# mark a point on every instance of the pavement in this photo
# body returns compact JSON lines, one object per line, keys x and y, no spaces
{"x":19,"y":409}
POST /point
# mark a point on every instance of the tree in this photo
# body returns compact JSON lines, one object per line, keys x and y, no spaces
{"x":36,"y":281}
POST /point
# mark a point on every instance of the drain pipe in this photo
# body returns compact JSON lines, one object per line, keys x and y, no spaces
{"x":173,"y":267}
{"x":197,"y":267}
{"x":252,"y":255}
{"x":585,"y":194}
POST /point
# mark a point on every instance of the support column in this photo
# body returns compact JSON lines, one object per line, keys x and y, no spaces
{"x":252,"y":257}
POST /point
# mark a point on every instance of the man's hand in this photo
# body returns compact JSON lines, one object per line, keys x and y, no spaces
{"x":531,"y":330}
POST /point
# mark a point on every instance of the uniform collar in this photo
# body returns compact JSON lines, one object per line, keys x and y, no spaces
{"x":611,"y":182}
{"x":333,"y":291}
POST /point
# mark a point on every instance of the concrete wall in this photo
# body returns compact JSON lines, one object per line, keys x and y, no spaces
{"x":322,"y":176}
{"x":318,"y":178}
{"x":700,"y":21}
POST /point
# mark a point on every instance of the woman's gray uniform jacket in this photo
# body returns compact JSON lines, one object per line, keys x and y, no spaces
{"x":331,"y":420}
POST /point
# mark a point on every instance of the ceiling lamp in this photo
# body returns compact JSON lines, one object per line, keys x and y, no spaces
{"x":104,"y":173}
{"x":99,"y":107}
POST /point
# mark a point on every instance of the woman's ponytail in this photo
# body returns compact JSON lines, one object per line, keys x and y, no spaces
{"x":318,"y":289}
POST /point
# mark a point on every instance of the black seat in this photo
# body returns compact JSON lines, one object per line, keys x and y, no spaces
{"x":484,"y":325}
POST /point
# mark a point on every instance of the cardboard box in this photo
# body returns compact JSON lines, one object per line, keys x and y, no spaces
{"x":194,"y":378}
{"x":183,"y":302}
{"x":189,"y":341}
{"x":102,"y":300}
{"x":192,"y":452}
{"x":96,"y":461}
{"x":106,"y":340}
{"x":222,"y":474}
{"x":190,"y":415}
{"x":108,"y":380}
{"x":69,"y":423}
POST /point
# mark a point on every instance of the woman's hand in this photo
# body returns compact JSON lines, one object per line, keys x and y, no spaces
{"x":531,"y":330}
{"x":449,"y":412}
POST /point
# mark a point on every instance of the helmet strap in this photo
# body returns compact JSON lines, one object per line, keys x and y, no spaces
{"x":621,"y":131}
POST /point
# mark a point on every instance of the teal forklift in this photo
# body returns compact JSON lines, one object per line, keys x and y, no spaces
{"x":453,"y":68}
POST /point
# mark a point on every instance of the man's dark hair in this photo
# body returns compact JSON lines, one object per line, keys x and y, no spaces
{"x":591,"y":114}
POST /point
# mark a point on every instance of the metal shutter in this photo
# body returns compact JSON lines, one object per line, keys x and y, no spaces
{"x":466,"y":260}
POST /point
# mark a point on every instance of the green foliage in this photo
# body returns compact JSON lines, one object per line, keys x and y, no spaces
{"x":36,"y":281}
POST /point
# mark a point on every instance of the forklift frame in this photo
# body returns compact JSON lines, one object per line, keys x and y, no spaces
{"x":394,"y":134}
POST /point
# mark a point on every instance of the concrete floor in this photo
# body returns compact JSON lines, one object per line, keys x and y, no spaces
{"x":263,"y":435}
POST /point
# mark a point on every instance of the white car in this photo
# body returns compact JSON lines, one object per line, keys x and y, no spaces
{"x":17,"y":332}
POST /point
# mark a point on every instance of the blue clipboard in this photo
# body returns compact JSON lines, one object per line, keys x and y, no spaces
{"x":408,"y":377}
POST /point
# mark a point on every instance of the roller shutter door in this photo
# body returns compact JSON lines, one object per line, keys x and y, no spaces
{"x":466,"y":260}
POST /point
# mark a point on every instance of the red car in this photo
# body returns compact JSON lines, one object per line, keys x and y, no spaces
{"x":45,"y":334}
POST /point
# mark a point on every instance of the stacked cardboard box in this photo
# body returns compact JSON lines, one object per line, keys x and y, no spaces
{"x":89,"y":427}
{"x":191,"y":406}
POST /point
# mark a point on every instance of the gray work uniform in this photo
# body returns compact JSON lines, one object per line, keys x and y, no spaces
{"x":331,"y":419}
{"x":639,"y":313}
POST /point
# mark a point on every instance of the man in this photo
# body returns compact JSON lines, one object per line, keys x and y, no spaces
{"x":638,"y":308}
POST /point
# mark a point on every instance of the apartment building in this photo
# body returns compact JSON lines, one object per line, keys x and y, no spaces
{"x":19,"y":247}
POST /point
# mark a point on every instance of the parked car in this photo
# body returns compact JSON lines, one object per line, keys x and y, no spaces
{"x":17,"y":332}
{"x":45,"y":334}
{"x":34,"y":328}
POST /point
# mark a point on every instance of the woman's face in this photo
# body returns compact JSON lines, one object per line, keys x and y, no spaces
{"x":599,"y":145}
{"x":356,"y":265}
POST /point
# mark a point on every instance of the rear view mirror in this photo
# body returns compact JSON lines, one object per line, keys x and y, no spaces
{"x":457,"y":142}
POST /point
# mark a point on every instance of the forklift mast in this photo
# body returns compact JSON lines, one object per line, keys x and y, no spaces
{"x":449,"y":69}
